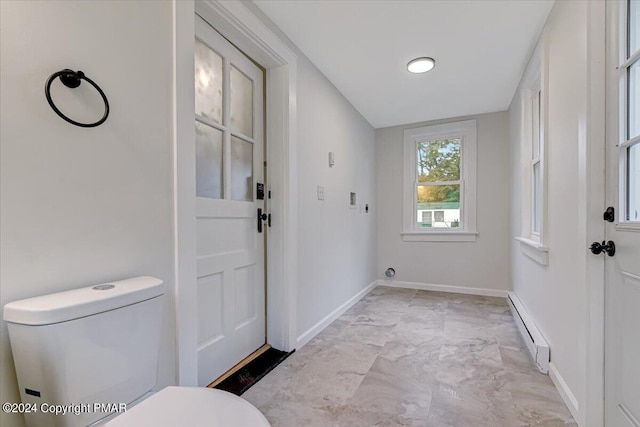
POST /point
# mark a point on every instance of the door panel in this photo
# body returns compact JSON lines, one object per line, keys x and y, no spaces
{"x":209,"y":308}
{"x":229,"y":163}
{"x":622,"y":289}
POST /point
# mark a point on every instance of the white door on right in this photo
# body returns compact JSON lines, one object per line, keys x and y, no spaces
{"x":622,"y":295}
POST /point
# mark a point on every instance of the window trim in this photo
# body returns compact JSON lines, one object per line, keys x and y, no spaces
{"x":534,"y":85}
{"x":467,"y":132}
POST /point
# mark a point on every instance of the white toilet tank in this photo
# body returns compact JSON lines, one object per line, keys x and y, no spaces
{"x":84,"y":348}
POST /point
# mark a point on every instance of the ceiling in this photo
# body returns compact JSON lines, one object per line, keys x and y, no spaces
{"x":480,"y":47}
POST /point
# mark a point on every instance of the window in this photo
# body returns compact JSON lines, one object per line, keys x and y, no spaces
{"x":629,"y":144}
{"x":532,"y":152}
{"x":440,"y":182}
{"x":532,"y":146}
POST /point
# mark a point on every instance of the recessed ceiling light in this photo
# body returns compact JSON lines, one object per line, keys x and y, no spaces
{"x":421,"y":65}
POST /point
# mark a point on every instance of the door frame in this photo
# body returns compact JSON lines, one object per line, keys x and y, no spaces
{"x":237,"y":23}
{"x":592,"y":205}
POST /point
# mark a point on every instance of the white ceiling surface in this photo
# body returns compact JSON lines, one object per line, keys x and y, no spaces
{"x":480,"y":47}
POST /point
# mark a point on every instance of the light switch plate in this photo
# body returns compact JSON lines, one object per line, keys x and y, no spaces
{"x":320,"y":192}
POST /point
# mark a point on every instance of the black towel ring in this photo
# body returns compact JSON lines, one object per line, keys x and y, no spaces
{"x":72,"y":79}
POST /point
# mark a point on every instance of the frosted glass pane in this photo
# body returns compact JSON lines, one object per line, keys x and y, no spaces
{"x":208,"y":81}
{"x":634,"y":100}
{"x":633,"y":183}
{"x":634,"y":26}
{"x":241,"y":169}
{"x":439,"y":160}
{"x":438,"y":206}
{"x":241,"y":103}
{"x":208,"y":162}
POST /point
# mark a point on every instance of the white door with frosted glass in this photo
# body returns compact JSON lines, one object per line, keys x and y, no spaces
{"x":229,"y":164}
{"x":622,"y":288}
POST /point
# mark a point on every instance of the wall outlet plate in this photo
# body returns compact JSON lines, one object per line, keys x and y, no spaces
{"x":320,"y":192}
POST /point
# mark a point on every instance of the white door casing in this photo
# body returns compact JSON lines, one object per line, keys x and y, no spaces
{"x":229,"y":164}
{"x":622,"y":292}
{"x":591,"y":193}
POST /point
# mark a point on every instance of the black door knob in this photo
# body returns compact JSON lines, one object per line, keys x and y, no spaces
{"x":608,"y":247}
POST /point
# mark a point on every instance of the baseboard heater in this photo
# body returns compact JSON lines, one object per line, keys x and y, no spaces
{"x":532,"y":337}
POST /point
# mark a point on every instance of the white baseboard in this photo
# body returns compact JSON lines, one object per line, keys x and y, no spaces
{"x":564,"y":390}
{"x":444,"y":288}
{"x":308,"y":335}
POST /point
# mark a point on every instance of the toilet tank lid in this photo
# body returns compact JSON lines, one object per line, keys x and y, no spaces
{"x":83,"y":302}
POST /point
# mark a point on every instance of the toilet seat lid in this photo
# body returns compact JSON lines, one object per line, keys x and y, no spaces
{"x":193,"y":407}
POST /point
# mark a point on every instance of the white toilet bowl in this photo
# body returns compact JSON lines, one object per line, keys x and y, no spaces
{"x":191,"y":407}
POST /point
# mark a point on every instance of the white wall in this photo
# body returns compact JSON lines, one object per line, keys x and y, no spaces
{"x":481,"y":264}
{"x":554,"y":295}
{"x":85,"y":206}
{"x":336,"y":244}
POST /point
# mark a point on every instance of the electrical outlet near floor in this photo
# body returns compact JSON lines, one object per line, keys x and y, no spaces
{"x":320,"y":192}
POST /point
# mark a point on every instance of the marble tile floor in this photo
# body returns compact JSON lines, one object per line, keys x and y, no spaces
{"x":403,"y":357}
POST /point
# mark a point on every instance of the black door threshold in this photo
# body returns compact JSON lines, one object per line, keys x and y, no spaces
{"x":241,"y":380}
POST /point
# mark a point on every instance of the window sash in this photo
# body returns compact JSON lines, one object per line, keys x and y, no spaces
{"x":423,"y":140}
{"x":536,"y":140}
{"x":419,"y":184}
{"x":536,"y":198}
{"x":536,"y":165}
{"x":435,"y":184}
{"x":533,"y":144}
{"x":427,"y":184}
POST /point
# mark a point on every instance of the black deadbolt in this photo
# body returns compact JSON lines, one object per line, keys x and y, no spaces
{"x":610,"y":214}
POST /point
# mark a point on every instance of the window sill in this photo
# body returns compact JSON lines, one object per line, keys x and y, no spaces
{"x":534,"y":250}
{"x":439,"y":236}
